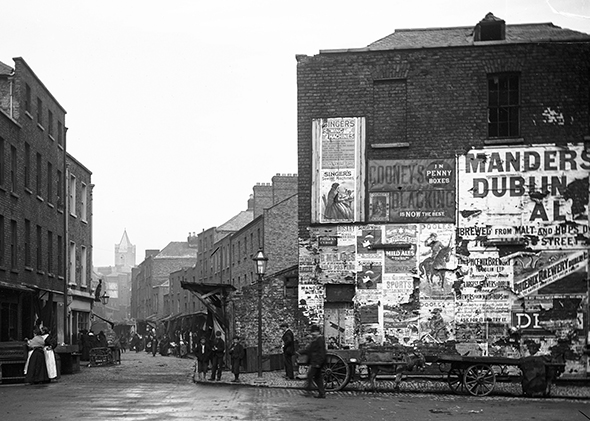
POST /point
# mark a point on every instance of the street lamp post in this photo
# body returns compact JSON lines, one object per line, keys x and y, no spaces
{"x":260,"y":259}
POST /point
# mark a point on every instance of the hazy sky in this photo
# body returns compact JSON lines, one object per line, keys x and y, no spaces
{"x":179,"y":107}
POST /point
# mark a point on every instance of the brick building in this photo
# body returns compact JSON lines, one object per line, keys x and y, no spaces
{"x":447,"y":202}
{"x":225,"y":262}
{"x":79,"y":251}
{"x":35,"y":274}
{"x":150,"y":279}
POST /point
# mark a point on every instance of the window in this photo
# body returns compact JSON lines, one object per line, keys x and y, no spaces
{"x":60,"y":254}
{"x":39,"y":173}
{"x":13,"y":244}
{"x":27,"y":243}
{"x":49,"y":182}
{"x":72,"y":264}
{"x":503,"y":105}
{"x":84,"y":194}
{"x":72,"y":195}
{"x":2,"y":241}
{"x":39,"y":248}
{"x":49,"y":252}
{"x":59,"y":133}
{"x":39,"y":111}
{"x":27,"y":165}
{"x":50,"y":122}
{"x":27,"y":98}
{"x":83,"y":262}
{"x":2,"y":162}
{"x":13,"y":168}
{"x":59,"y":190}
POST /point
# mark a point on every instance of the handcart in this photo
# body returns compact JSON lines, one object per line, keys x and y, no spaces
{"x":478,"y":374}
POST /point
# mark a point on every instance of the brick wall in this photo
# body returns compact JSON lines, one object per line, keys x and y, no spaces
{"x":446,"y":98}
{"x":276,"y":308}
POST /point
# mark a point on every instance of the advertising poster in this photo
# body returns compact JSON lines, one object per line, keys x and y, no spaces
{"x":311,"y":302}
{"x":402,"y":260}
{"x":437,"y":259}
{"x":550,"y":272}
{"x":338,"y":165}
{"x":337,"y":256}
{"x":538,"y":194}
{"x":436,"y":320}
{"x":379,"y":207}
{"x":397,"y":288}
{"x":417,"y":190}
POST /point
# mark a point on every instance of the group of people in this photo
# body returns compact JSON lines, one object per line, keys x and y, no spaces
{"x":214,"y":354}
{"x":41,"y":366}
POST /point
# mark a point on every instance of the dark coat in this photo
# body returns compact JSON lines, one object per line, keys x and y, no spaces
{"x":203,"y":354}
{"x":237,"y":352}
{"x":316,"y":352}
{"x":218,"y":347}
{"x":288,"y":342}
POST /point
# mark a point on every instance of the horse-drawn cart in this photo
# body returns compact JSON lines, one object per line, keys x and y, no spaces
{"x":478,"y":374}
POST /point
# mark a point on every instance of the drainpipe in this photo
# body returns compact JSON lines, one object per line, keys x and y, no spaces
{"x":66,"y":242}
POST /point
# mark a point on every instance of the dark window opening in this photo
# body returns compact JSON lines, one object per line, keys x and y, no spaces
{"x":503,"y":105}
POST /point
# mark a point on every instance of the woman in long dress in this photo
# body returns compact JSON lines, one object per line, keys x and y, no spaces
{"x":36,"y":368}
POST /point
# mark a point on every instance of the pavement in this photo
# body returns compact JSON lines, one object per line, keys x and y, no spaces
{"x":569,"y":389}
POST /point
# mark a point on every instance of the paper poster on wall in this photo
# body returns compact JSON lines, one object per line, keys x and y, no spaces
{"x":437,"y":258}
{"x":536,"y":194}
{"x":412,"y":190}
{"x":403,"y":259}
{"x":338,"y":170}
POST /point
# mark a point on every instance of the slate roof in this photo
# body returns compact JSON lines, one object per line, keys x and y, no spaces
{"x":5,"y":70}
{"x":463,"y":36}
{"x":177,"y":249}
{"x":237,"y":222}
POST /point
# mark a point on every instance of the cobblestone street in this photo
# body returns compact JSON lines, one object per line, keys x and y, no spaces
{"x":155,"y":388}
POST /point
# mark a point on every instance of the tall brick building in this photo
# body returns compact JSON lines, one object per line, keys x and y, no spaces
{"x":443,"y":191}
{"x":43,"y":278}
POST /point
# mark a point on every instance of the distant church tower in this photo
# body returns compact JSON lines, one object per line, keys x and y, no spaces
{"x":124,"y":254}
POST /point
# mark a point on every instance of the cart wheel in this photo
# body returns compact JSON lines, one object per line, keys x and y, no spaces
{"x":336,"y":373}
{"x":479,"y":379}
{"x":455,"y":380}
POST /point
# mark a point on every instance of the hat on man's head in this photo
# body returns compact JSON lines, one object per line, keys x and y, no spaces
{"x":315,"y":328}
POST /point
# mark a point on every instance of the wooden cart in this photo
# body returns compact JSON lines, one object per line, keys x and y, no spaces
{"x":342,"y":366}
{"x":478,"y":374}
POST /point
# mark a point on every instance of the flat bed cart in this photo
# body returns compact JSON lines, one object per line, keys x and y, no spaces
{"x":478,"y":374}
{"x":340,"y":366}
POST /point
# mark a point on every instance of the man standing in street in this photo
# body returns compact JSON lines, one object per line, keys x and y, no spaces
{"x":288,"y":350}
{"x":217,"y":353}
{"x":237,"y":354}
{"x":316,"y":351}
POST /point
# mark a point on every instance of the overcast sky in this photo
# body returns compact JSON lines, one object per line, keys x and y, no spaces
{"x":179,"y":107}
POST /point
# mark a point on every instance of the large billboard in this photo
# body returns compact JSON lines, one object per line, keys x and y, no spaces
{"x":537,"y":195}
{"x":338,"y":170}
{"x":416,"y":190}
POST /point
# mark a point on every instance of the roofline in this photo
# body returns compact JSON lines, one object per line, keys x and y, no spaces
{"x":69,"y":156}
{"x":22,"y":60}
{"x":474,"y":44}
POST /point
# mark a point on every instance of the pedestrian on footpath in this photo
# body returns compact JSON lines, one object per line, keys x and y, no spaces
{"x":316,"y":351}
{"x":288,"y":350}
{"x":237,"y":354}
{"x":217,"y":353}
{"x":203,"y":353}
